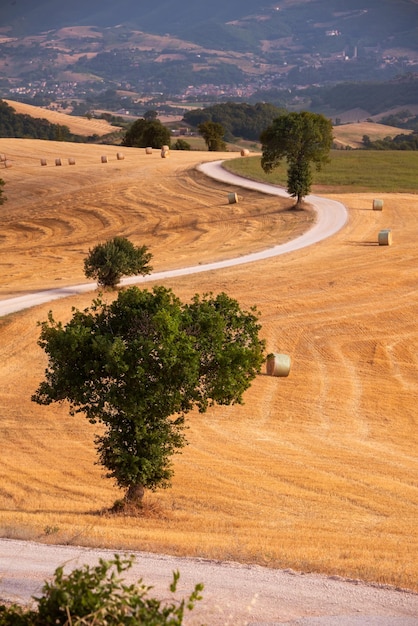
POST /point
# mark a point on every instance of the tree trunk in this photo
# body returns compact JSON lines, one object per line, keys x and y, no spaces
{"x":135,"y":494}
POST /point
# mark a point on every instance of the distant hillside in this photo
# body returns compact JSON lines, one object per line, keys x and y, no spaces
{"x":351,"y":135}
{"x":131,"y":56}
{"x":245,"y":21}
{"x":76,"y":125}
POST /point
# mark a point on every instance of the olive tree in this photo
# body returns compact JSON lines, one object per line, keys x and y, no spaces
{"x":302,"y":139}
{"x":139,"y":364}
{"x":108,"y":262}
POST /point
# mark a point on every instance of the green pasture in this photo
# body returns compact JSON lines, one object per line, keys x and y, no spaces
{"x":390,"y":171}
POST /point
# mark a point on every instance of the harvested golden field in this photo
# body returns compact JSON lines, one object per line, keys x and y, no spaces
{"x":352,"y":134}
{"x":317,"y":471}
{"x":77,"y":125}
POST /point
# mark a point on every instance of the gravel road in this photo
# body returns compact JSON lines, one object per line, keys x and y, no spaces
{"x":234,"y":594}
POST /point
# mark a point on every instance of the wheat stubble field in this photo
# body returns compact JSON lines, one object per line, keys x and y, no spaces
{"x":315,"y":472}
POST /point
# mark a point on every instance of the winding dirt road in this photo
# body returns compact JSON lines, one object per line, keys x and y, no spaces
{"x":234,"y":594}
{"x":331,"y":217}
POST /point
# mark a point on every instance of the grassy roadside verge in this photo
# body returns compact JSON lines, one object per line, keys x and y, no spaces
{"x":348,"y":171}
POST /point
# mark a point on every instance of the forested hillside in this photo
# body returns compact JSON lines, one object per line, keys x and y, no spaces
{"x":372,"y":97}
{"x":17,"y":125}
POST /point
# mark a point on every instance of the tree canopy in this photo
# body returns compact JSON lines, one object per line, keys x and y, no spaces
{"x":212,"y":133}
{"x":238,"y":119}
{"x":139,"y":364}
{"x":147,"y":133}
{"x":108,"y":262}
{"x":300,"y":138}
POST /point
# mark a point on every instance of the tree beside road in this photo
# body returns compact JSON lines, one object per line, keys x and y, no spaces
{"x":302,"y":139}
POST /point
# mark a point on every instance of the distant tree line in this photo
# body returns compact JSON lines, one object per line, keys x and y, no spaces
{"x":374,"y":97}
{"x":246,"y":121}
{"x":23,"y":126}
{"x":401,"y":119}
{"x":400,"y":142}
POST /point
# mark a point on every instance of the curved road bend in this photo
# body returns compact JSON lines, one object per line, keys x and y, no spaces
{"x":331,"y":217}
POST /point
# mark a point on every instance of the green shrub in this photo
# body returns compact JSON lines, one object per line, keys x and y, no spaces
{"x":97,"y":596}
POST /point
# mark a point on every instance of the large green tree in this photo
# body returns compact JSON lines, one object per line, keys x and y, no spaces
{"x":212,"y":133}
{"x":139,"y":364}
{"x":108,"y":262}
{"x":302,"y":139}
{"x":145,"y":133}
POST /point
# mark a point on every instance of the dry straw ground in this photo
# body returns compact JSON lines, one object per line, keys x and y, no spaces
{"x":317,"y":471}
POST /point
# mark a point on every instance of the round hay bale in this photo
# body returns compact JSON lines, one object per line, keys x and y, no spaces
{"x":245,"y":152}
{"x":71,"y":161}
{"x":377,"y":205}
{"x":148,"y":150}
{"x":232,"y":198}
{"x":164,"y":153}
{"x":58,"y":162}
{"x":7,"y":163}
{"x":3,"y":158}
{"x":385,"y":237}
{"x":120,"y":156}
{"x":278,"y":365}
{"x":43,"y":162}
{"x":104,"y":159}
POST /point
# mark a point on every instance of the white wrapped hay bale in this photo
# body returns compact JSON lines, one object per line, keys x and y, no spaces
{"x":385,"y":237}
{"x":232,"y":198}
{"x":278,"y":364}
{"x":377,"y":205}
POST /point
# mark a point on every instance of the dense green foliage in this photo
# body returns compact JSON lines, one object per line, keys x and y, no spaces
{"x":348,"y":171}
{"x":213,"y":133}
{"x":108,"y":262}
{"x":400,"y":142}
{"x":139,"y":364}
{"x":239,"y":120}
{"x":181,"y":144}
{"x":147,"y":133}
{"x":14,"y":124}
{"x":300,"y":138}
{"x":98,"y":596}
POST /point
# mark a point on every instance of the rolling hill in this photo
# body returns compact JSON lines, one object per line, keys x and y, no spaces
{"x":316,"y":471}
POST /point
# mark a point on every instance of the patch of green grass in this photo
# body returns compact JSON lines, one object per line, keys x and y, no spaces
{"x":393,"y":171}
